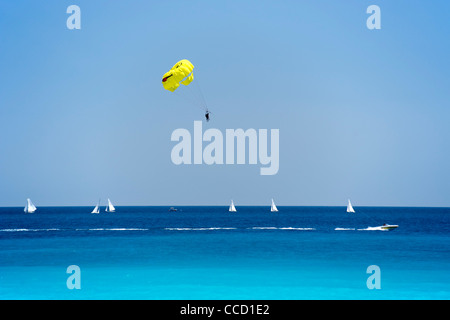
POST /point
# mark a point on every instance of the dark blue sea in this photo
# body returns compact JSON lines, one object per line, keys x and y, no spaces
{"x":210,"y":253}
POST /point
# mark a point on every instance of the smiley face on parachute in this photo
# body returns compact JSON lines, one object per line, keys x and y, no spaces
{"x":181,"y":72}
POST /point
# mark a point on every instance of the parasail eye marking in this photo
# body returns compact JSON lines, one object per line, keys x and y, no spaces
{"x":165,"y":79}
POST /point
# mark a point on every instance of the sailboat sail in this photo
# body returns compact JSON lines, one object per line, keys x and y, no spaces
{"x":349,"y":207}
{"x":273,"y":207}
{"x":96,"y":209}
{"x":232,"y":208}
{"x":110,"y":207}
{"x":29,"y":208}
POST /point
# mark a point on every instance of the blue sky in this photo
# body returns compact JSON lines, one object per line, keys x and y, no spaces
{"x":363,"y":114}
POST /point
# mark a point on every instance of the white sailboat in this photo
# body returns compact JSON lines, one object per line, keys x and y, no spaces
{"x":232,"y":208}
{"x":29,"y":208}
{"x":96,"y":209}
{"x":273,"y":207}
{"x":110,"y":207}
{"x":349,"y":207}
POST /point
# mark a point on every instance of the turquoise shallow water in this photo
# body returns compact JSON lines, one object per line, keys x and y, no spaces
{"x":209,"y":253}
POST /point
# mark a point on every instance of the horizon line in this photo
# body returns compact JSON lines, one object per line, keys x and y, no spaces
{"x":244,"y":205}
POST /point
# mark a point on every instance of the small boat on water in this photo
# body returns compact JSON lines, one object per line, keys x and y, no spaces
{"x":97,"y":208}
{"x":273,"y":207}
{"x":349,"y":207}
{"x":388,"y":226}
{"x":110,"y":207}
{"x":172,"y":209}
{"x":30,"y":207}
{"x":232,"y":207}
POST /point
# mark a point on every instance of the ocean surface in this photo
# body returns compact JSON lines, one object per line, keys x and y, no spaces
{"x":210,"y":253}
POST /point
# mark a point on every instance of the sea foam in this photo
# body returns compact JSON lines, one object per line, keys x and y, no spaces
{"x":283,"y":228}
{"x":199,"y":229}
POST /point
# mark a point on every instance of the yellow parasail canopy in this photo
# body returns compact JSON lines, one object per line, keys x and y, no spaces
{"x":181,"y":72}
